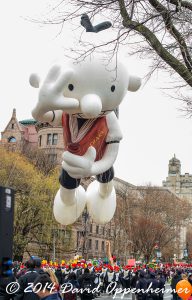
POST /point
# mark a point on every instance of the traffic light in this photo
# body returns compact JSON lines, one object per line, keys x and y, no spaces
{"x":6,"y":230}
{"x":6,"y":267}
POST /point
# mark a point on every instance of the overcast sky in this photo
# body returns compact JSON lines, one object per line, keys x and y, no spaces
{"x":152,"y":126}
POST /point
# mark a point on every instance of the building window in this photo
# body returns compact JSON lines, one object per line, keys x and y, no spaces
{"x":91,"y":228}
{"x":79,"y":235}
{"x":103,"y":230}
{"x":52,"y":158}
{"x":12,"y":139}
{"x":67,"y":234}
{"x":54,"y":139}
{"x":40,"y":139}
{"x":12,"y":126}
{"x":97,"y":229}
{"x":96,"y":245}
{"x":109,"y":232}
{"x":49,"y":139}
{"x":89,"y":244}
{"x":103,"y":246}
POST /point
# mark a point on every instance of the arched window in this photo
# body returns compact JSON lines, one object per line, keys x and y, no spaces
{"x":12,"y":139}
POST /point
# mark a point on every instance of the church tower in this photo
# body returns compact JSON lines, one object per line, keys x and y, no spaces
{"x":174,"y":166}
{"x":173,"y":182}
{"x":180,"y":184}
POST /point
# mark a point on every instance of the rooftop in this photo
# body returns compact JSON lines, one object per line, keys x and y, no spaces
{"x":28,"y":122}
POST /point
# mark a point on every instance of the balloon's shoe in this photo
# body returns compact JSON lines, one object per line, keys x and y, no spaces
{"x":69,"y":205}
{"x":101,"y":201}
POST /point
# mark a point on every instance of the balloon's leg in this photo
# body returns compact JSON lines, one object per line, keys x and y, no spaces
{"x":69,"y":204}
{"x":101,"y":201}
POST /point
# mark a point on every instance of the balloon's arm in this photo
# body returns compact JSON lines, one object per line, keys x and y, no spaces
{"x":107,"y":160}
{"x":53,"y":117}
{"x":113,"y":138}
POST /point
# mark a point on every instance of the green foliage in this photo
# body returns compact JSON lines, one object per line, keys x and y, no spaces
{"x":34,"y":221}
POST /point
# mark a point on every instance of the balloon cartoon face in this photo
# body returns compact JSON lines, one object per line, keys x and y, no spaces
{"x":98,"y":89}
{"x":81,"y":98}
{"x":90,"y":88}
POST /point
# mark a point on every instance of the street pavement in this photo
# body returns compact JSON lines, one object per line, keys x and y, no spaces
{"x":167,"y":296}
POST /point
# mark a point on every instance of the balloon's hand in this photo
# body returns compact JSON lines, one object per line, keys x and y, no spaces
{"x":79,"y":166}
{"x":51,"y":92}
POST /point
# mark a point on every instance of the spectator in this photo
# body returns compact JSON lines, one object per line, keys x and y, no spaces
{"x":161,"y":284}
{"x":72,"y":280}
{"x":43,"y":288}
{"x":153,"y":284}
{"x":53,"y":278}
{"x":184,"y":276}
{"x":86,"y":282}
{"x":59,"y":275}
{"x":3,"y":284}
{"x":26,"y":281}
{"x":190,"y":278}
{"x":176,"y":278}
{"x":141,"y":286}
{"x":133,"y":283}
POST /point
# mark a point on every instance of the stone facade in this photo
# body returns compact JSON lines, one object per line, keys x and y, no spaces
{"x":42,"y":135}
{"x":91,"y":238}
{"x":16,"y":133}
{"x":50,"y":140}
{"x":181,"y":185}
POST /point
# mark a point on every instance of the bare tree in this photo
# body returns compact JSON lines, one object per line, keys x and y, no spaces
{"x":189,"y":242}
{"x":40,"y":158}
{"x":147,"y":216}
{"x":158,"y":29}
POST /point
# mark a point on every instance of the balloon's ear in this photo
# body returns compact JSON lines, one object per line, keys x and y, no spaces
{"x":134,"y":83}
{"x":34,"y":80}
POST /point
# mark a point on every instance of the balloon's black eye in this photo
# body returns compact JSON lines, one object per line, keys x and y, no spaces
{"x":113,"y":88}
{"x":70,"y":87}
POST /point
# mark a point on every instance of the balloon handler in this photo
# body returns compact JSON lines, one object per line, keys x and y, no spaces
{"x":82,"y":98}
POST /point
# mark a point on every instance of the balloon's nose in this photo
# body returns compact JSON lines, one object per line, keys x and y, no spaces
{"x":91,"y":105}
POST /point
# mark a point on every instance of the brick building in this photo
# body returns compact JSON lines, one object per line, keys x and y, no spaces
{"x":16,"y":133}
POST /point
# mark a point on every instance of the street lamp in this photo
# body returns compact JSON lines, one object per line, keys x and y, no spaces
{"x":185,"y":253}
{"x":54,"y":231}
{"x":85,"y":217}
{"x":158,"y":254}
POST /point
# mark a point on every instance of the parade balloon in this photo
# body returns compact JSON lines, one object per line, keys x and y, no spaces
{"x":86,"y":22}
{"x":81,"y":97}
{"x":184,"y":289}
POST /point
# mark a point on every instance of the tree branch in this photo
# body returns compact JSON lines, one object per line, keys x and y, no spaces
{"x":173,"y":31}
{"x":185,"y":4}
{"x":155,"y":44}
